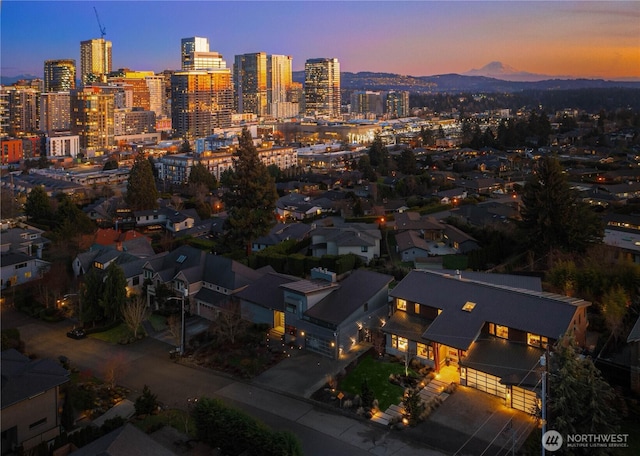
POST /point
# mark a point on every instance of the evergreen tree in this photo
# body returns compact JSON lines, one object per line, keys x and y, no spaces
{"x":251,"y":198}
{"x":378,"y":154}
{"x":38,"y":204}
{"x":90,"y":296}
{"x":407,"y":162}
{"x":114,"y":292}
{"x":200,"y":175}
{"x":580,"y":400}
{"x":147,"y":403}
{"x":552,"y":215}
{"x":141,"y":188}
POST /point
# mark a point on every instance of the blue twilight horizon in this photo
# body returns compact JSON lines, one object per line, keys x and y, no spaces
{"x":419,"y":38}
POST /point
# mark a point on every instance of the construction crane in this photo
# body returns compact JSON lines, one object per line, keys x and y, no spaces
{"x":103,"y":31}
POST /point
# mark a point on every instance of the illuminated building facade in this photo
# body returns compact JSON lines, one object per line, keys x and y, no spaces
{"x":201,"y":101}
{"x":196,"y":55}
{"x":322,"y":87}
{"x":95,"y":60}
{"x":55,"y":111}
{"x":250,"y":83}
{"x":92,"y":118}
{"x":281,"y":100}
{"x":135,"y":81}
{"x":59,"y":75}
{"x":397,"y":104}
{"x":366,"y":102}
{"x":22,"y":106}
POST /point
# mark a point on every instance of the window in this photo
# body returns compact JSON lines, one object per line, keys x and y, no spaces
{"x":468,"y":306}
{"x":27,"y":275}
{"x":136,"y":281}
{"x":403,"y":344}
{"x":401,"y":304}
{"x":364,"y":248}
{"x":537,"y":340}
{"x":291,"y":308}
{"x":365,"y":307}
{"x":499,"y":331}
{"x":424,"y":351}
{"x":37,"y":423}
{"x":416,"y":308}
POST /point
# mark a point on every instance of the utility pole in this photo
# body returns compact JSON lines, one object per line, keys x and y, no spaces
{"x":183,"y":331}
{"x":543,"y":363}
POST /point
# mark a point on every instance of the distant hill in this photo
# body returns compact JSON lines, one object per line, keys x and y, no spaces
{"x":7,"y":80}
{"x":462,"y":83}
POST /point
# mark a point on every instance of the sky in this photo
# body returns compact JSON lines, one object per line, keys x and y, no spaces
{"x":594,"y":39}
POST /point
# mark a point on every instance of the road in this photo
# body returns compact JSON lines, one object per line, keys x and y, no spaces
{"x":146,"y":362}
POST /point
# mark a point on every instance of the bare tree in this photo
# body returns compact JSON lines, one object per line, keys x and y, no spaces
{"x":114,"y":368}
{"x":229,"y":322}
{"x":134,"y":313}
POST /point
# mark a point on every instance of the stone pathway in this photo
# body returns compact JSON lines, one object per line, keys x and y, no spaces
{"x":432,"y":391}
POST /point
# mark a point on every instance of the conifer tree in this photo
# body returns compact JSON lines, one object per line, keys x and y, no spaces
{"x":251,"y":197}
{"x":142,"y":193}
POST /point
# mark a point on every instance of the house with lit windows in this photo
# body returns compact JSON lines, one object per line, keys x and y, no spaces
{"x":492,"y":327}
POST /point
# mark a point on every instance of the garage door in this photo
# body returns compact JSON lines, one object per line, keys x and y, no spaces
{"x":486,"y":382}
{"x":524,"y":400}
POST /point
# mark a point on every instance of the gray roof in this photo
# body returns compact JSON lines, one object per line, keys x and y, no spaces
{"x":359,"y":288}
{"x":267,"y":291}
{"x":8,"y":259}
{"x":284,"y":231}
{"x":541,"y":313}
{"x":514,"y":363}
{"x":127,"y":440}
{"x":228,"y":273}
{"x":634,"y":335}
{"x":506,"y":280}
{"x":410,"y":239}
{"x":406,"y":325}
{"x":23,"y":378}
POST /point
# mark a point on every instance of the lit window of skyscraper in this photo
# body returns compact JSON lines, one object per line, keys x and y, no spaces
{"x":196,"y":55}
{"x":322,"y":87}
{"x":59,"y":75}
{"x":95,"y":60}
{"x":250,"y":83}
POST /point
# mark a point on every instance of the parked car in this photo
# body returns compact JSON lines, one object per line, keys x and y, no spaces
{"x":77,"y":333}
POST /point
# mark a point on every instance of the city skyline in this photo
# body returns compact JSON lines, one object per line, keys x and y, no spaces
{"x":418,"y":38}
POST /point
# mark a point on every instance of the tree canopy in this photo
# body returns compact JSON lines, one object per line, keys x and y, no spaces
{"x":200,"y":175}
{"x":552,"y":215}
{"x":141,"y":188}
{"x":38,"y":204}
{"x":251,"y":198}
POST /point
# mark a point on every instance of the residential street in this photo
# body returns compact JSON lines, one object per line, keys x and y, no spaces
{"x":147,"y":363}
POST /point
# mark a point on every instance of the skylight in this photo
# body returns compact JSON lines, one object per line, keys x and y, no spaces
{"x":468,"y":306}
{"x":181,"y":259}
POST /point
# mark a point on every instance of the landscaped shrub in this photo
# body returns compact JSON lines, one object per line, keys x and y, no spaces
{"x":147,"y":403}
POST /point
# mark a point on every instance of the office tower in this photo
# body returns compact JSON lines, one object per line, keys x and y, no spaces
{"x":59,"y":75}
{"x":366,"y":102}
{"x":397,"y":104}
{"x":92,"y":117}
{"x":201,"y":101}
{"x":280,"y":103}
{"x":4,"y":111}
{"x":135,"y":82}
{"x":157,"y":97}
{"x":55,"y":112}
{"x":250,"y":83}
{"x":196,"y":55}
{"x":22,"y":104}
{"x":95,"y":60}
{"x":322,"y":87}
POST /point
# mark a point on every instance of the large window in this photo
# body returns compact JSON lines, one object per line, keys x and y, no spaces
{"x":499,"y":331}
{"x":399,"y":343}
{"x":537,"y":340}
{"x":416,"y":308}
{"x":424,"y":351}
{"x":401,"y":304}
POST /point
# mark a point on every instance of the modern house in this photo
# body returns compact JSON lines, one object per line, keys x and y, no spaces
{"x":18,"y":268}
{"x":323,"y":314}
{"x":206,"y":281}
{"x":359,"y":239}
{"x":281,"y":232}
{"x":30,"y":400}
{"x":493,"y":327}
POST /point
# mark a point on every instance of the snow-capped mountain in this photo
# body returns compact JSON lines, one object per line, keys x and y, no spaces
{"x":499,"y":70}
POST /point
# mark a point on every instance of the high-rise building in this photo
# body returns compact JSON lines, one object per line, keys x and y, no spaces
{"x":250,"y":83}
{"x":55,"y":112}
{"x":157,"y":97}
{"x":22,"y":109}
{"x":397,"y":104}
{"x":201,"y":101}
{"x":367,"y":102}
{"x":280,"y":102}
{"x":92,"y":118}
{"x":95,"y":60}
{"x":134,"y":121}
{"x":59,"y":75}
{"x":196,"y":55}
{"x":134,"y":81}
{"x":322,"y":87}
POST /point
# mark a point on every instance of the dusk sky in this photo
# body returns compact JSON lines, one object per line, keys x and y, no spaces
{"x":418,"y":38}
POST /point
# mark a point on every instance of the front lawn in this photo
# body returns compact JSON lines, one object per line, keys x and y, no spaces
{"x":114,"y":335}
{"x":377,"y":375}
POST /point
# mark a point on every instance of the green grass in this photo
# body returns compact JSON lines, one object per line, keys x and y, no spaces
{"x":158,"y":322}
{"x":114,"y":335}
{"x":377,"y":375}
